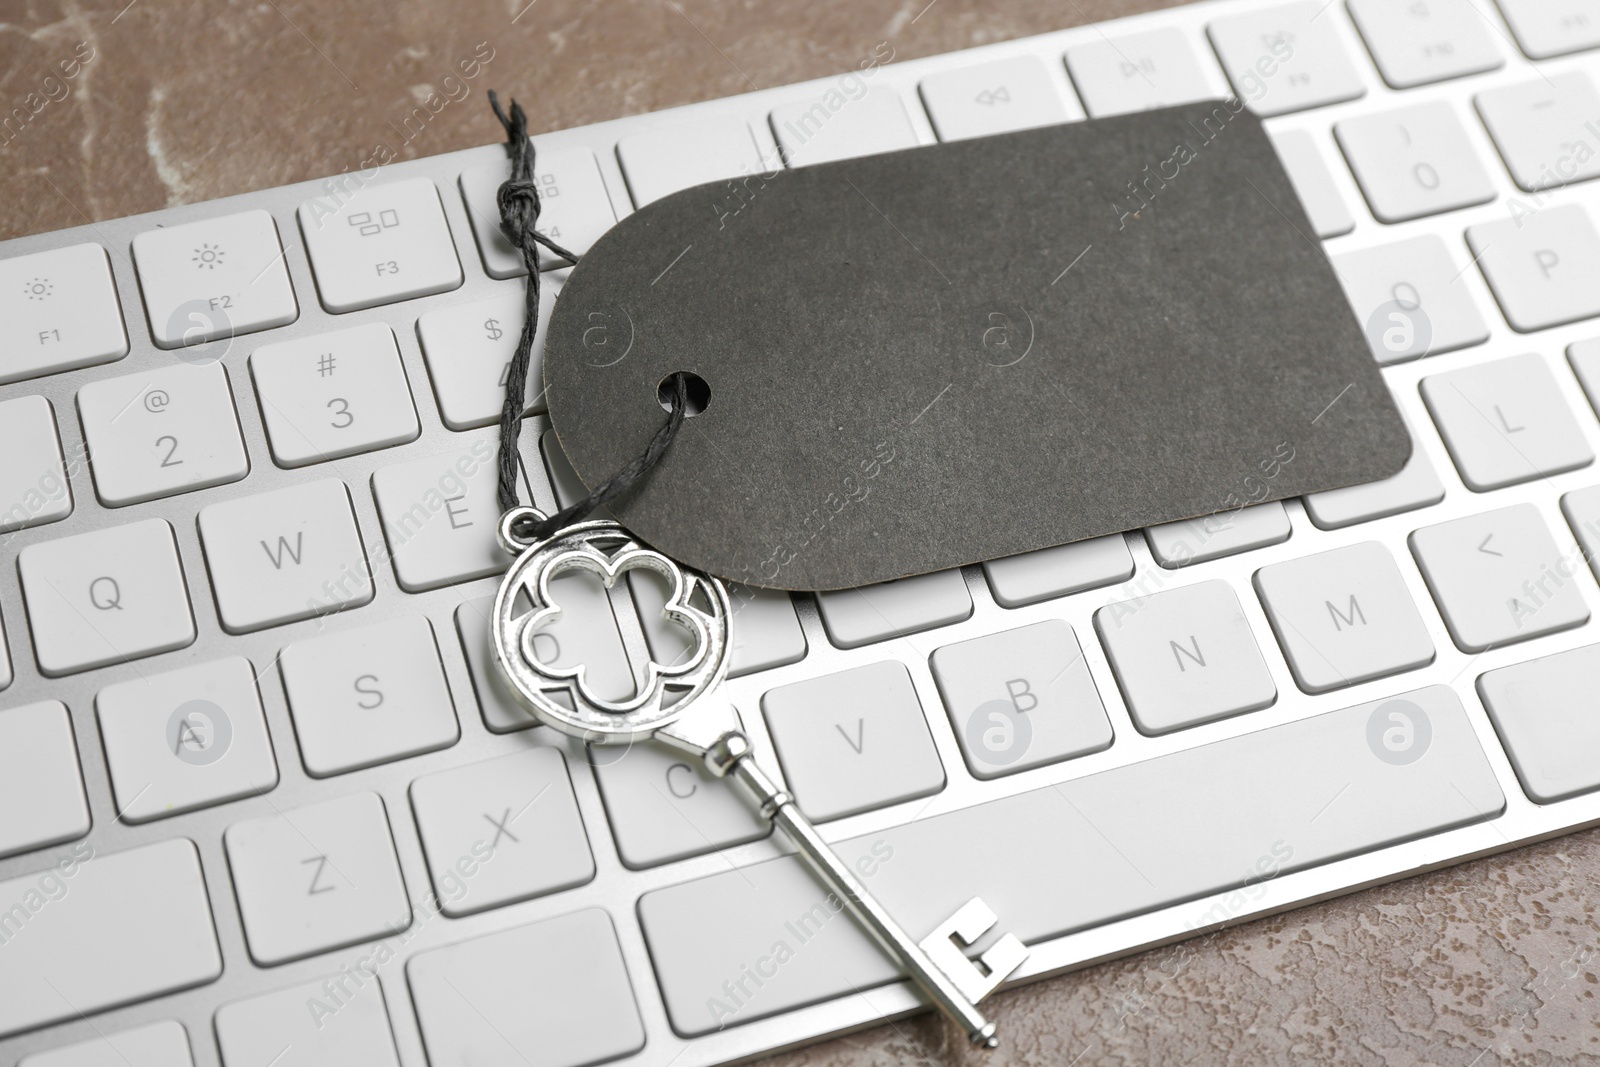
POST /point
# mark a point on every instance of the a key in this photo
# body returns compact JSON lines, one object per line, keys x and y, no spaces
{"x":665,"y":159}
{"x":1185,"y":656}
{"x":334,"y":395}
{"x":1285,"y":58}
{"x":1137,"y":72}
{"x":1424,"y":41}
{"x":1546,"y":28}
{"x":468,"y":348}
{"x":664,"y":806}
{"x":856,"y":617}
{"x":41,"y":790}
{"x":678,"y":705}
{"x":1541,"y":267}
{"x":1007,"y":94}
{"x":162,"y":432}
{"x":340,"y":1020}
{"x":1416,"y":486}
{"x":131,"y":925}
{"x":367,"y":696}
{"x":381,"y":244}
{"x":575,"y":208}
{"x":1542,"y":128}
{"x":526,"y":987}
{"x":1411,"y":299}
{"x":285,"y":555}
{"x":162,"y":1044}
{"x":1309,"y":173}
{"x":58,"y":311}
{"x":1543,"y":712}
{"x":1017,"y":581}
{"x":186,"y":739}
{"x":500,"y":831}
{"x":317,"y":878}
{"x":214,"y":279}
{"x":1413,"y":162}
{"x":1189,"y":541}
{"x":33,"y":482}
{"x":832,"y":126}
{"x":766,"y":631}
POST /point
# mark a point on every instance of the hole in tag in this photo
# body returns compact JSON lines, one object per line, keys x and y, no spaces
{"x":699,"y":393}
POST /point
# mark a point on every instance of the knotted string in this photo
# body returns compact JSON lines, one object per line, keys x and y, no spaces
{"x":518,"y":200}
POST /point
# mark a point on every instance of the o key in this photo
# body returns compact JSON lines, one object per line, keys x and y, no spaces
{"x":679,"y":705}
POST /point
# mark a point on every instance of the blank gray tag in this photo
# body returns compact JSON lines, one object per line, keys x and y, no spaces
{"x":953,"y":353}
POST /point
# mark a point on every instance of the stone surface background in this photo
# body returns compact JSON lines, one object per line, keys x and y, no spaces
{"x":1495,"y":962}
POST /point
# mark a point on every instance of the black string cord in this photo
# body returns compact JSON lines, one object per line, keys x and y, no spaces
{"x":518,"y":200}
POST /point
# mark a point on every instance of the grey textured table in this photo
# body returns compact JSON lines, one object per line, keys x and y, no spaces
{"x":1490,"y":963}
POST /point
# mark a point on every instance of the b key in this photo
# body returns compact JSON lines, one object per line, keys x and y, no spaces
{"x":680,"y":705}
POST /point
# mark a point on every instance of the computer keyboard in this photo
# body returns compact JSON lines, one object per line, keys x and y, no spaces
{"x":264,"y":801}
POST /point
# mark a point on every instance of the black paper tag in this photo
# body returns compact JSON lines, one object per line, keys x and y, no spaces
{"x":953,"y":353}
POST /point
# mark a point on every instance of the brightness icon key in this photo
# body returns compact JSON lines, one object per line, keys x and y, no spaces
{"x":213,"y":279}
{"x":374,"y":244}
{"x":58,"y":311}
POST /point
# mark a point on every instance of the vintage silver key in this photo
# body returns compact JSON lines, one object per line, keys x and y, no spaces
{"x":679,"y":705}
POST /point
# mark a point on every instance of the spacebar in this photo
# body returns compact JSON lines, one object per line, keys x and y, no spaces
{"x":93,"y":932}
{"x":748,"y":943}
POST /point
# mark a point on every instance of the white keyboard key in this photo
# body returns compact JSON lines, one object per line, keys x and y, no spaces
{"x":1543,"y":712}
{"x":995,"y":97}
{"x":1296,"y":796}
{"x":1137,"y":72}
{"x":317,"y":878}
{"x":1344,"y":617}
{"x":58,"y":311}
{"x":856,"y":617}
{"x":1017,"y":581}
{"x":574,"y":208}
{"x":834,"y":125}
{"x":1021,"y":698}
{"x":1179,"y":544}
{"x":1184,"y":656}
{"x":586,"y":633}
{"x":521,"y":992}
{"x":1544,"y":128}
{"x":162,"y":432}
{"x":1326,"y":209}
{"x":108,"y":596}
{"x":1585,"y":359}
{"x":334,"y":395}
{"x":501,"y":831}
{"x":381,"y":244}
{"x":33,"y":480}
{"x":1546,"y":28}
{"x":1285,"y":58}
{"x":1499,"y":578}
{"x":439,"y":515}
{"x":285,"y":555}
{"x":1411,"y":299}
{"x":1582,"y":509}
{"x":1416,"y":486}
{"x":664,"y":806}
{"x":853,"y":741}
{"x":766,"y":631}
{"x":1413,"y":162}
{"x":116,"y":929}
{"x":368,"y":696}
{"x":186,"y":739}
{"x":212,"y":279}
{"x":41,"y":790}
{"x":665,"y":159}
{"x":1424,"y":41}
{"x":564,"y":481}
{"x":162,"y":1044}
{"x":339,"y":1021}
{"x":468,"y":349}
{"x":1541,"y":267}
{"x":1505,"y":422}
